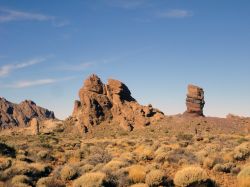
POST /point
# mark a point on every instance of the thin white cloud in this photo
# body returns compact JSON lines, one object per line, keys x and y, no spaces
{"x":8,"y":15}
{"x":8,"y":68}
{"x":126,"y":4}
{"x":25,"y":84}
{"x":32,"y":83}
{"x":175,"y":13}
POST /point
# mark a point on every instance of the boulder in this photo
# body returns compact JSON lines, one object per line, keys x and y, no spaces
{"x":111,"y":102}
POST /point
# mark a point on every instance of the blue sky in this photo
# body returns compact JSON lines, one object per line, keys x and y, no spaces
{"x":156,"y":47}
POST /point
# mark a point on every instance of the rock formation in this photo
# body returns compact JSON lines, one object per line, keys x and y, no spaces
{"x":34,"y":125}
{"x":111,"y":102}
{"x":21,"y":114}
{"x":195,"y":101}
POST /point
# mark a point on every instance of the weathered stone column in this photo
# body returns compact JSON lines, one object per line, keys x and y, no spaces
{"x":195,"y":101}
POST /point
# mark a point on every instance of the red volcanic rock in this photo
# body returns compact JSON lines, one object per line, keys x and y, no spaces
{"x":21,"y":114}
{"x":195,"y":101}
{"x":111,"y":102}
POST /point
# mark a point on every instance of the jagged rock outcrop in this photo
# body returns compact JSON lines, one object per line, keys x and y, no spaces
{"x":195,"y":101}
{"x":111,"y":102}
{"x":21,"y":114}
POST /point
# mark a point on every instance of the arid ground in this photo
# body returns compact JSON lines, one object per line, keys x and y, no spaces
{"x":176,"y":151}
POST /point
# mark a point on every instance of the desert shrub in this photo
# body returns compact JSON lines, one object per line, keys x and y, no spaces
{"x":156,"y":178}
{"x":73,"y":156}
{"x":39,"y":170}
{"x":20,"y":179}
{"x":20,"y":185}
{"x":6,"y":150}
{"x":5,"y":163}
{"x":97,"y":179}
{"x":120,"y":177}
{"x":128,"y":157}
{"x":34,"y":170}
{"x":139,"y":185}
{"x":137,"y":173}
{"x":161,"y":154}
{"x":85,"y":168}
{"x":226,"y":168}
{"x":236,"y":170}
{"x":144,"y":153}
{"x":242,"y":152}
{"x":185,"y":137}
{"x":49,"y":182}
{"x":209,"y":163}
{"x":177,"y":155}
{"x":99,"y":156}
{"x":244,"y":177}
{"x":192,"y":176}
{"x":113,"y":165}
{"x":161,"y":157}
{"x":68,"y":173}
{"x":44,"y":155}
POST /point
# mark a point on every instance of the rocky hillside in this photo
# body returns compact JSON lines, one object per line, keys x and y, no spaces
{"x":12,"y":114}
{"x":111,"y":102}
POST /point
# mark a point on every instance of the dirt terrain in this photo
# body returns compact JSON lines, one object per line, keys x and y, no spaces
{"x":108,"y":155}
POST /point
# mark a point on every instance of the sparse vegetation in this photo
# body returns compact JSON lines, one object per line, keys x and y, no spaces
{"x":137,"y":173}
{"x":68,"y":173}
{"x":244,"y":177}
{"x":90,"y":180}
{"x":140,"y":158}
{"x":156,"y":178}
{"x":191,"y":176}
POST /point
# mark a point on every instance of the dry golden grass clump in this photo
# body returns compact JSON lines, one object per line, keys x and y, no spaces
{"x":21,"y":180}
{"x":155,"y":178}
{"x":5,"y":163}
{"x":144,"y":153}
{"x":242,"y":152}
{"x":113,"y":166}
{"x":49,"y":182}
{"x":139,"y":185}
{"x":191,"y":176}
{"x":96,"y":179}
{"x":34,"y":170}
{"x":86,"y":168}
{"x":68,"y":173}
{"x":244,"y":177}
{"x":137,"y":174}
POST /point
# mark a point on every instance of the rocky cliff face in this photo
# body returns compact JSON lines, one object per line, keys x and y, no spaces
{"x":195,"y":101}
{"x":111,"y":102}
{"x":21,"y":114}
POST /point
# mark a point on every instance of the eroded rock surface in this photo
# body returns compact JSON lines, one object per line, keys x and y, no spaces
{"x":195,"y":101}
{"x":21,"y":114}
{"x":111,"y":102}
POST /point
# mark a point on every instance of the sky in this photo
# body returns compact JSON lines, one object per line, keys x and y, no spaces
{"x":156,"y":47}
